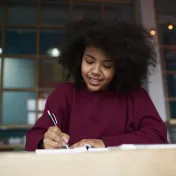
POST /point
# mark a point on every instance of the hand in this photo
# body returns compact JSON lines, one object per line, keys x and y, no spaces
{"x":54,"y":138}
{"x":96,"y":143}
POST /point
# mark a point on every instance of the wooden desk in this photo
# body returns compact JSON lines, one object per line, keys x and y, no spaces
{"x":155,"y":162}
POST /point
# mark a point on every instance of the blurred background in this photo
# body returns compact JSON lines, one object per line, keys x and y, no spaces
{"x":31,"y":32}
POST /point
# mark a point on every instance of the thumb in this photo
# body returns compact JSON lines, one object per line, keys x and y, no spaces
{"x":65,"y":137}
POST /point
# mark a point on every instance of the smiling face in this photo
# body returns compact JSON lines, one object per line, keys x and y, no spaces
{"x":97,"y":69}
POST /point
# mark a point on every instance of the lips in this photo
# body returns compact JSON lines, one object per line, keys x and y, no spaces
{"x":94,"y":81}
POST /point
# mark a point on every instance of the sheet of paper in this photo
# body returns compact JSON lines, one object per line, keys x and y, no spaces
{"x":98,"y":149}
{"x":150,"y":146}
{"x":60,"y":151}
{"x":76,"y":150}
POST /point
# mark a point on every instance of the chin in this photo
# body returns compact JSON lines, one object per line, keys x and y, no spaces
{"x":94,"y":89}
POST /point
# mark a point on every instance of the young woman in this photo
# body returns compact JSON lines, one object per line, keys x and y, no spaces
{"x":106,"y":105}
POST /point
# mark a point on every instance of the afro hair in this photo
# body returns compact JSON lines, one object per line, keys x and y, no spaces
{"x":129,"y":45}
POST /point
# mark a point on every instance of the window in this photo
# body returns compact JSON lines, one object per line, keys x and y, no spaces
{"x":166,"y":16}
{"x":30,"y":36}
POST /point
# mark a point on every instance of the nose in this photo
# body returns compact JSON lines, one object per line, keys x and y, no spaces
{"x":96,"y":70}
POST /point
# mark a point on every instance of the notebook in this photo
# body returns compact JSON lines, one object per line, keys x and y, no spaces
{"x":88,"y":148}
{"x":85,"y":148}
{"x":143,"y":146}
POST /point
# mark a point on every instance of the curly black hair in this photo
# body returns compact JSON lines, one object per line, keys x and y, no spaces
{"x":129,"y":45}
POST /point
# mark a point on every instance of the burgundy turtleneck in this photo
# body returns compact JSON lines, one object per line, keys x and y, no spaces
{"x":127,"y":119}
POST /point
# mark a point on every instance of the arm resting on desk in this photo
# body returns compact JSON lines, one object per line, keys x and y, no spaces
{"x":149,"y":127}
{"x":146,"y":135}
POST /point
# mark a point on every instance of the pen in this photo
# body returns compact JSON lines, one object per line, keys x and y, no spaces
{"x":54,"y":120}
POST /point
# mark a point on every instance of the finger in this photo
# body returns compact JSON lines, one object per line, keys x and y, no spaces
{"x":48,"y":147}
{"x":91,"y":143}
{"x":52,"y":144}
{"x":74,"y":145}
{"x":54,"y":136}
{"x":65,"y":138}
{"x":95,"y":143}
{"x":55,"y":129}
{"x":86,"y":141}
{"x":79,"y":144}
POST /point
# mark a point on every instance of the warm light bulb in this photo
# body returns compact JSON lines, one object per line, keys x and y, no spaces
{"x":152,"y":32}
{"x":170,"y":27}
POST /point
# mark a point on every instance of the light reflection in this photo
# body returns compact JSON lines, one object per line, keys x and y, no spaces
{"x":0,"y":50}
{"x":54,"y":52}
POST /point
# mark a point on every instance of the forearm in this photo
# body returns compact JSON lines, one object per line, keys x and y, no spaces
{"x":33,"y":140}
{"x":138,"y":137}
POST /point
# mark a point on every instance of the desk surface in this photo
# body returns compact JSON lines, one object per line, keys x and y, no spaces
{"x":142,"y":162}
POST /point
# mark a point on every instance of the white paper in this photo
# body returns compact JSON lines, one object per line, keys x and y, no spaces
{"x":61,"y":151}
{"x":98,"y":149}
{"x":85,"y":148}
{"x":151,"y":146}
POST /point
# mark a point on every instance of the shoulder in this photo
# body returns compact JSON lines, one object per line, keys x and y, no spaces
{"x":139,"y":92}
{"x":140,"y":96}
{"x":64,"y":87}
{"x":63,"y":91}
{"x":142,"y":102}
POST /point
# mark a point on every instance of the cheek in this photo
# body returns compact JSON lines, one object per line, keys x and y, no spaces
{"x":84,"y":69}
{"x":109,"y":74}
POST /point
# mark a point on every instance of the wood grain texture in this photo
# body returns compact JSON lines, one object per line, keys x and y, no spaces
{"x":112,"y":163}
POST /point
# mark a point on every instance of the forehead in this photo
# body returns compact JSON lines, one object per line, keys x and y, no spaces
{"x":96,"y":52}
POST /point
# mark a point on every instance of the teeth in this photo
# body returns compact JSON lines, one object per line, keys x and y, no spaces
{"x":94,"y":80}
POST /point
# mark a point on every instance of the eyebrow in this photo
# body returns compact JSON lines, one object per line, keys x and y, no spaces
{"x":107,"y":60}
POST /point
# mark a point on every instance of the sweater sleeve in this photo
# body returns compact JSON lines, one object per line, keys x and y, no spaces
{"x":57,"y":103}
{"x":150,"y":127}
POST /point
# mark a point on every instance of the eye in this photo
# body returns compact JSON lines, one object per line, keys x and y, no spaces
{"x":89,"y":60}
{"x":108,"y":65}
{"x":105,"y":66}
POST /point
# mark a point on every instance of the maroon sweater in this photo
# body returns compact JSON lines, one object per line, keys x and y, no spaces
{"x":129,"y":119}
